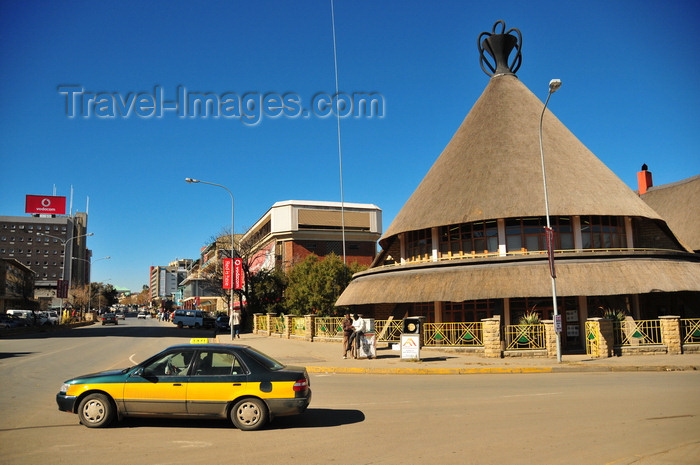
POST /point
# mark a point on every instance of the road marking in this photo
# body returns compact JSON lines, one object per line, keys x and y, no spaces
{"x":193,"y":444}
{"x":131,"y":359}
{"x":534,"y":395}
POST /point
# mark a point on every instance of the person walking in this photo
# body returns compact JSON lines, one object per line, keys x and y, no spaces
{"x":236,"y":323}
{"x":347,"y":332}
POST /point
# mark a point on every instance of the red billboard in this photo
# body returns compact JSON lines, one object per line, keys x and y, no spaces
{"x":45,"y":204}
{"x":238,"y":274}
{"x":228,"y":275}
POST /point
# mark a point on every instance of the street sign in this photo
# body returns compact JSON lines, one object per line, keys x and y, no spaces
{"x":557,"y":324}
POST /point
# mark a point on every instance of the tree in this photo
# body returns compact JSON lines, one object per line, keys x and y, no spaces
{"x":314,"y":285}
{"x":268,"y":295}
{"x":262,"y":288}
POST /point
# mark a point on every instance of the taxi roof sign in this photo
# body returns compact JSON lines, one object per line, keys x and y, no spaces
{"x":199,"y":340}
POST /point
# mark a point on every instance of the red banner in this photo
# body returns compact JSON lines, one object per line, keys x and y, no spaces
{"x":62,"y":289}
{"x":228,"y":273}
{"x":549,"y":233}
{"x":238,"y":274}
{"x":45,"y":204}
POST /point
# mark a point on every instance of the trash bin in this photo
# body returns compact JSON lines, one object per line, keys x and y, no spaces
{"x":412,"y":337}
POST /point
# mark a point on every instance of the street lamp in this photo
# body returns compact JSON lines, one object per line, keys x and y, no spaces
{"x":88,"y":284}
{"x":196,"y":181}
{"x":65,"y":243}
{"x":554,"y":84}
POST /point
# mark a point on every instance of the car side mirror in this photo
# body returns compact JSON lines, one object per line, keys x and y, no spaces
{"x":138,"y":372}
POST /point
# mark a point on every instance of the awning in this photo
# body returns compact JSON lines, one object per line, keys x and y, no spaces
{"x":521,"y":279}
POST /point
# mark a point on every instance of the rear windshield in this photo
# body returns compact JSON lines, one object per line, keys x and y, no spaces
{"x":265,"y":360}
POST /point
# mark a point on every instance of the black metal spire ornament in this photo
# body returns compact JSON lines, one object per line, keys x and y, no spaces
{"x":500,"y":45}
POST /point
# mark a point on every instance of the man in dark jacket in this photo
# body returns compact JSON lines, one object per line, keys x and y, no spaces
{"x":347,"y":331}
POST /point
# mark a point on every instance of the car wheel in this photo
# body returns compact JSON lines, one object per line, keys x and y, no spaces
{"x":95,"y":411}
{"x":249,"y":414}
{"x":179,"y":324}
{"x":196,"y":326}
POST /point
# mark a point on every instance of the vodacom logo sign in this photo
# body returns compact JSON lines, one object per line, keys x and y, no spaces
{"x":46,"y":204}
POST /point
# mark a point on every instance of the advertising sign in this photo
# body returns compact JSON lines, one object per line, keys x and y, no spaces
{"x":228,"y":273}
{"x":410,"y":346}
{"x":238,"y":273}
{"x":45,"y":204}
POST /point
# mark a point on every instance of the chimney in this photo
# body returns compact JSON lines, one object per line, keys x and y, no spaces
{"x":644,"y":179}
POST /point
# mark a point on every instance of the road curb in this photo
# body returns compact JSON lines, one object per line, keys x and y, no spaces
{"x":427,"y":371}
{"x":495,"y":370}
{"x":567,"y":367}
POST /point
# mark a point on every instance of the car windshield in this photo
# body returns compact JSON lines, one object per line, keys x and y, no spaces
{"x":265,"y":360}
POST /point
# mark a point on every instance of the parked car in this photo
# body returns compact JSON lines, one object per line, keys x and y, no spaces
{"x":223,"y":381}
{"x":222,"y":323}
{"x":52,"y":317}
{"x":8,"y":322}
{"x":193,"y":319}
{"x":23,"y":317}
{"x":109,"y":318}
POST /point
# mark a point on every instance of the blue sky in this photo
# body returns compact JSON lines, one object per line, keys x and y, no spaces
{"x":630,"y":93}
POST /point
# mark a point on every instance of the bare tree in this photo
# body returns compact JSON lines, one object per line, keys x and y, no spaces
{"x":256,"y":291}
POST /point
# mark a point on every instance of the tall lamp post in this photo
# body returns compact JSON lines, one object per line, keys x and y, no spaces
{"x":65,"y":243}
{"x":90,"y":262}
{"x":197,"y":181}
{"x":554,"y":84}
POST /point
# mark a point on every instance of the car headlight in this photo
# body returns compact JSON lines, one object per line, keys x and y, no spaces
{"x":64,"y":388}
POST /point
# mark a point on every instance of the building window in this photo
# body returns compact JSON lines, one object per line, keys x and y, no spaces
{"x":603,"y":232}
{"x":419,"y":245}
{"x":468,"y":239}
{"x":473,"y":310}
{"x":527,"y":234}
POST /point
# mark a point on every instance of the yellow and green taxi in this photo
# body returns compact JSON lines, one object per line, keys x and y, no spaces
{"x":192,"y":380}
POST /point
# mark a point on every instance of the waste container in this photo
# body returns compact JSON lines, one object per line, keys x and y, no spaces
{"x":412,"y":337}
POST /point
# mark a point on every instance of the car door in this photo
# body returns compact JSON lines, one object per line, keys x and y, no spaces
{"x":160,"y":387}
{"x":217,"y":378}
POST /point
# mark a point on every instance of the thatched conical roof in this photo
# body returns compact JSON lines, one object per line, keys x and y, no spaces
{"x":492,"y":169}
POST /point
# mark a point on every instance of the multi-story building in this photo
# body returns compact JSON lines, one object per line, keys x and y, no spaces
{"x":164,"y":280}
{"x":291,"y":230}
{"x":470,"y":243}
{"x":196,"y":290}
{"x":16,"y":286}
{"x":286,"y":234}
{"x":42,"y":243}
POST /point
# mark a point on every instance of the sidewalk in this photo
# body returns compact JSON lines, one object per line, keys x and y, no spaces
{"x":326,"y":357}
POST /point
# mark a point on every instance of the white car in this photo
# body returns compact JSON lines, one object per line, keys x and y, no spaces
{"x":141,"y":315}
{"x":52,"y":317}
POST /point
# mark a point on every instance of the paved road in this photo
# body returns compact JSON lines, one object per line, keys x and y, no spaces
{"x":586,"y":418}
